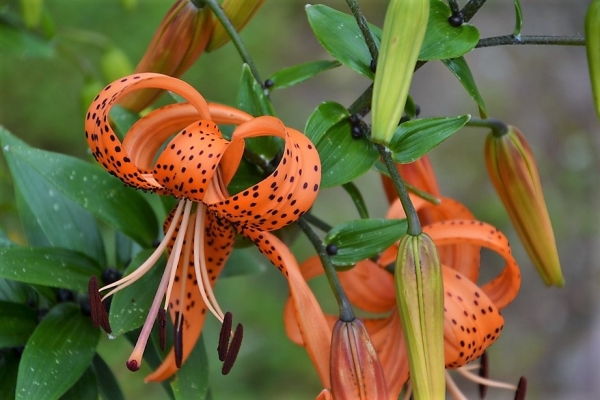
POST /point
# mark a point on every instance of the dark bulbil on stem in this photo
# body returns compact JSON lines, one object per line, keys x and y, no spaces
{"x":456,"y":20}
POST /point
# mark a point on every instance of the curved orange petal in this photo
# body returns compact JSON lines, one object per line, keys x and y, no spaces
{"x":102,"y":140}
{"x":502,"y":289}
{"x":313,"y":327}
{"x":369,"y":287}
{"x":286,"y":194}
{"x":471,"y":320}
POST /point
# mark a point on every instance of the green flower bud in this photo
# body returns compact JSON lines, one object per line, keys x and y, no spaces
{"x":239,"y":13}
{"x":420,"y":299}
{"x":403,"y":32}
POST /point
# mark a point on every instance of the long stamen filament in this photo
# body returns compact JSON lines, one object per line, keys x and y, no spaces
{"x":453,"y":388}
{"x":200,"y":266}
{"x":149,"y":263}
{"x":173,"y":261}
{"x":484,"y":381}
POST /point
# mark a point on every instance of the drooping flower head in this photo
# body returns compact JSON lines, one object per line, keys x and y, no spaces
{"x":195,"y":166}
{"x":472,"y":321}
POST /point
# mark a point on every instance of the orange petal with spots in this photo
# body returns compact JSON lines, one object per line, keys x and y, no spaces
{"x":369,"y":287}
{"x":186,"y":166}
{"x":102,"y":140}
{"x":286,"y":194}
{"x":218,"y":243}
{"x":471,"y":320}
{"x":502,"y":289}
{"x":315,"y":332}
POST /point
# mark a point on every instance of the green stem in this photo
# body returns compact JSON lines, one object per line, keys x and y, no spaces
{"x":364,"y":28}
{"x":346,"y":313}
{"x":576,"y":40}
{"x":318,"y":222}
{"x":234,"y":35}
{"x":362,"y":105}
{"x":454,"y":7}
{"x":498,"y":127}
{"x":412,"y":218}
{"x":471,"y":8}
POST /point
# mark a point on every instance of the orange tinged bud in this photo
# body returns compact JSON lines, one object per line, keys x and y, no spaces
{"x":178,"y":42}
{"x":355,"y":370}
{"x":513,"y":171}
{"x":239,"y":13}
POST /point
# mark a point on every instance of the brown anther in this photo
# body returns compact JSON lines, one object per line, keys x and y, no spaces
{"x":162,"y":328}
{"x":521,"y":389}
{"x":178,"y":340}
{"x":234,"y":349}
{"x":99,"y":314}
{"x":224,"y":335}
{"x":484,"y":372}
{"x":133,"y":365}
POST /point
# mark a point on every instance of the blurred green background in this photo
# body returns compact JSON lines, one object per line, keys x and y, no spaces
{"x":552,"y":336}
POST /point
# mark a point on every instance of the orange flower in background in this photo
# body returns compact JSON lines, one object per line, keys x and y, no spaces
{"x":472,"y":321}
{"x":513,"y":171}
{"x":195,"y":166}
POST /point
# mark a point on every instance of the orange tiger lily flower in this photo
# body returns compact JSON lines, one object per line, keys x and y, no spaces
{"x":472,"y":321}
{"x":196,"y":166}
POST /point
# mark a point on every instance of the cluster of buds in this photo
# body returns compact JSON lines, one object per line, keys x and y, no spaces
{"x":188,"y":28}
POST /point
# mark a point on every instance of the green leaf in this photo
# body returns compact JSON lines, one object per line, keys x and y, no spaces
{"x":87,"y":185}
{"x":86,"y":388}
{"x":22,"y":43}
{"x":18,"y":322}
{"x":339,"y":34}
{"x":459,"y":67}
{"x":9,"y":368}
{"x":442,"y":40}
{"x":129,"y":307}
{"x":4,"y":240}
{"x":57,"y":354}
{"x":299,"y":73}
{"x":60,"y":268}
{"x":192,"y":379}
{"x":343,"y":158}
{"x":518,"y":18}
{"x":107,"y":383}
{"x":357,"y":199}
{"x":413,"y":139}
{"x":363,"y":238}
{"x":245,"y":261}
{"x":252,"y":99}
{"x":16,"y":292}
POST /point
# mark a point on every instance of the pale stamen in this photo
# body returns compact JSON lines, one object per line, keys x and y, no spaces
{"x":149,"y":263}
{"x":485,"y":381}
{"x":164,"y":287}
{"x":176,"y":252}
{"x":453,"y":388}
{"x":200,"y":266}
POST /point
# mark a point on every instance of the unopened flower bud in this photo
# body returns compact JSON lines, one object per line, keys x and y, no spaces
{"x":355,"y":370}
{"x":513,"y":171}
{"x":403,"y":32}
{"x":239,"y":13}
{"x":178,"y":42}
{"x":419,"y":294}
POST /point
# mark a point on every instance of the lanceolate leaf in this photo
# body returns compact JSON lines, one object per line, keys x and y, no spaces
{"x":18,"y":322}
{"x":338,"y":33}
{"x":413,"y":139}
{"x":48,"y":266}
{"x":57,"y":354}
{"x":130,"y":306}
{"x":343,"y":158}
{"x":192,"y":378}
{"x":299,"y":73}
{"x":459,"y":67}
{"x":87,"y":185}
{"x":364,"y":238}
{"x":86,"y":388}
{"x":442,"y":40}
{"x":107,"y":383}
